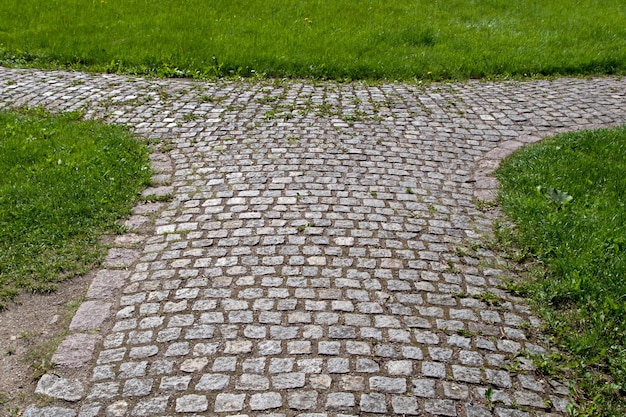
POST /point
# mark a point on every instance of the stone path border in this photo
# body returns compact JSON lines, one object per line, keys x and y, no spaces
{"x":317,"y":252}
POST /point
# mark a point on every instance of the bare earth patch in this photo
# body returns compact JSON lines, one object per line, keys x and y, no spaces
{"x":30,"y":330}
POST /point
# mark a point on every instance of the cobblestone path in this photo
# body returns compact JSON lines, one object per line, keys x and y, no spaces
{"x":319,"y":253}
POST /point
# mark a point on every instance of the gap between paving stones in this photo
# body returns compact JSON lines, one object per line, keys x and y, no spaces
{"x":313,"y":260}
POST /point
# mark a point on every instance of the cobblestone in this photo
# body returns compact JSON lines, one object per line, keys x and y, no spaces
{"x":265,"y":401}
{"x":302,"y":400}
{"x":191,"y":403}
{"x":61,"y":388}
{"x":302,"y":262}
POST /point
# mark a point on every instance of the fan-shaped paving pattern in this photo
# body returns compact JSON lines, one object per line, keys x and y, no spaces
{"x":318,"y":256}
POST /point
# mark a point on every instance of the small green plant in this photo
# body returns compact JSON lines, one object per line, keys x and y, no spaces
{"x":452,"y":267}
{"x":547,"y":365}
{"x":205,"y":98}
{"x":71,"y":308}
{"x":164,"y":95}
{"x":303,"y":227}
{"x":488,"y":297}
{"x":465,"y":333}
{"x":268,"y":99}
{"x":271,"y":114}
{"x":373,"y":193}
{"x":351,"y":118}
{"x":489,"y":398}
{"x":190,"y":117}
{"x":154,"y":198}
{"x":4,"y":398}
{"x":326,"y":110}
{"x":166,"y":147}
{"x":512,"y":367}
{"x":558,"y":197}
{"x":460,"y":251}
{"x":483,"y":205}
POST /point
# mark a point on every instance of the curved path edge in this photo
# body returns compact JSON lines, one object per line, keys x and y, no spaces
{"x":317,"y":250}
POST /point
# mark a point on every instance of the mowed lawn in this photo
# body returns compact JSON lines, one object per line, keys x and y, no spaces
{"x":567,"y":198}
{"x":338,"y":39}
{"x":65,"y":182}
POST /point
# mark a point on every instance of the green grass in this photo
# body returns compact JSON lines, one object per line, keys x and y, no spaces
{"x":64,"y":183}
{"x":567,"y":199}
{"x":339,"y":39}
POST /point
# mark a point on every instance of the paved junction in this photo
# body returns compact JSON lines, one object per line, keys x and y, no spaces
{"x":310,"y":249}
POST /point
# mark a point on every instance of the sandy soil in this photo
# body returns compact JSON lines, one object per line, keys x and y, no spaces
{"x":26,"y":328}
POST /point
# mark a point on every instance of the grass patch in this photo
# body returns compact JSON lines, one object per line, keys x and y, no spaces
{"x":567,"y":199}
{"x":339,"y":39}
{"x":65,"y":182}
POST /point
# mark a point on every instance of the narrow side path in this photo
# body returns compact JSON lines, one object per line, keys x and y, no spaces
{"x":318,"y":250}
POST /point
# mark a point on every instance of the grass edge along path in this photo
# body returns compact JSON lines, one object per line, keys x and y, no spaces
{"x":65,"y":183}
{"x":404,"y":40}
{"x":566,"y":197}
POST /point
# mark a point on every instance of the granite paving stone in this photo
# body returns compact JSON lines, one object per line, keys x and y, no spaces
{"x":316,"y":250}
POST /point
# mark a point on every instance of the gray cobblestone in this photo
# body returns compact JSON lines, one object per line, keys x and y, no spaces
{"x":310,"y":253}
{"x":288,"y":380}
{"x":137,"y":387}
{"x":302,"y":400}
{"x":424,"y":387}
{"x":266,"y":401}
{"x":388,"y":385}
{"x":466,"y":374}
{"x":174,"y":383}
{"x":433,"y":369}
{"x":310,"y":366}
{"x":440,"y":407}
{"x":194,"y":365}
{"x":338,"y":365}
{"x":270,"y":347}
{"x":33,"y":411}
{"x":213,"y":382}
{"x":367,"y":365}
{"x":143,"y":352}
{"x":329,"y":348}
{"x":225,"y":364}
{"x":133,"y":369}
{"x":455,"y":391}
{"x":252,"y":382}
{"x":340,"y":401}
{"x":499,"y":378}
{"x":61,"y":388}
{"x":104,"y":390}
{"x":152,"y":406}
{"x":229,"y":402}
{"x":118,"y":408}
{"x":528,"y":398}
{"x":191,"y":403}
{"x":352,"y":383}
{"x":404,"y":405}
{"x":373,"y":403}
{"x":103,"y":372}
